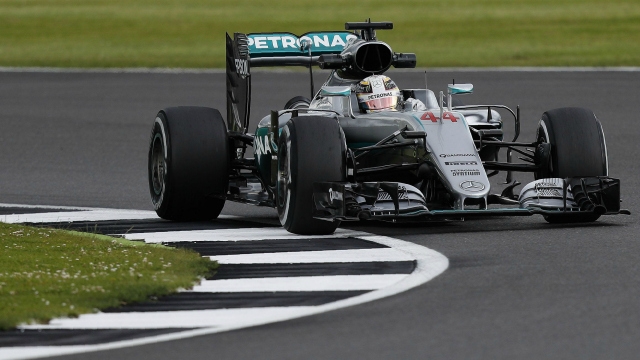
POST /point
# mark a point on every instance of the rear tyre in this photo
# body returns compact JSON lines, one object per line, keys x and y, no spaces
{"x":297,"y":102}
{"x":188,"y":163}
{"x":578,"y":149}
{"x":310,"y":149}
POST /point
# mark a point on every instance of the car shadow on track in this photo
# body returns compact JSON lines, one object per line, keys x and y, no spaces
{"x":478,"y":225}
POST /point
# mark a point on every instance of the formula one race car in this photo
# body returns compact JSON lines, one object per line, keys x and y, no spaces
{"x":363,"y":149}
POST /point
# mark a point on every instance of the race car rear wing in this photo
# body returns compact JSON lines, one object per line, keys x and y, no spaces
{"x":358,"y":52}
{"x":270,"y":49}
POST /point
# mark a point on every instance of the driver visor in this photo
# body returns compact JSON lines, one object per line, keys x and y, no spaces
{"x":382,"y":103}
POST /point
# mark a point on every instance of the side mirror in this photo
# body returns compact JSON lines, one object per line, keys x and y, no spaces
{"x":417,"y":134}
{"x":331,"y":61}
{"x":460,"y":89}
{"x":404,"y":60}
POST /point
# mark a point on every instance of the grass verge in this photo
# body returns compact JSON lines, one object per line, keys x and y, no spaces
{"x":46,"y":273}
{"x":190,"y":33}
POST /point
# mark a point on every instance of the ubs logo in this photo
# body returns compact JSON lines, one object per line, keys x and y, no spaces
{"x":471,"y":186}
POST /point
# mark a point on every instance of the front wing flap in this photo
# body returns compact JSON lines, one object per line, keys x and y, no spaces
{"x":600,"y":195}
{"x":366,"y":200}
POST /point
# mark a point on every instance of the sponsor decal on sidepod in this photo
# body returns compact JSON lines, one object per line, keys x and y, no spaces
{"x":261,"y":145}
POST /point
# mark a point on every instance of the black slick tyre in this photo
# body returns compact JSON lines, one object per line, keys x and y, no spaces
{"x":578,"y":149}
{"x":310,"y":149}
{"x":188,"y":163}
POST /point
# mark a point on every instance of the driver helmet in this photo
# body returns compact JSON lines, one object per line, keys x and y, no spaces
{"x":377,"y":93}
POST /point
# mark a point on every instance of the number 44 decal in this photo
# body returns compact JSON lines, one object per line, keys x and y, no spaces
{"x":431,"y":117}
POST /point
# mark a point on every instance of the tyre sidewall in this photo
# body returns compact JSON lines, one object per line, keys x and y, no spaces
{"x":544,"y":133}
{"x":577,"y":143}
{"x":294,"y":103}
{"x":160,"y":201}
{"x":196,"y":157}
{"x":323,"y":161}
{"x":578,"y":149}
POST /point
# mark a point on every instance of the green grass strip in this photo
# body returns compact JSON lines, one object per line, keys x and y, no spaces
{"x":46,"y":273}
{"x":190,"y":33}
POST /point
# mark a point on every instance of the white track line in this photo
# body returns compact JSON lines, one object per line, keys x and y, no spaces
{"x":300,"y":283}
{"x":27,"y":206}
{"x":96,"y":215}
{"x":303,"y":257}
{"x":218,"y":318}
{"x":263,"y":233}
{"x":429,"y":264}
{"x":80,"y":214}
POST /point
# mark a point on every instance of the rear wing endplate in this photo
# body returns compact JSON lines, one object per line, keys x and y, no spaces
{"x":238,"y":83}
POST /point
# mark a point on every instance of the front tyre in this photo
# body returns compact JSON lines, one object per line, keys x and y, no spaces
{"x":310,"y":149}
{"x":578,"y":149}
{"x":297,"y":102}
{"x":188,"y":163}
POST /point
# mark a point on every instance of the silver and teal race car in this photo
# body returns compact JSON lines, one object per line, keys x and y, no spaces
{"x":324,"y":160}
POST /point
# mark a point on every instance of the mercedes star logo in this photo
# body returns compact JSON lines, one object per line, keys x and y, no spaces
{"x":472,"y":186}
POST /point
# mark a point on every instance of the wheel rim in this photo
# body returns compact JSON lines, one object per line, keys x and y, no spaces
{"x":284,"y":179}
{"x":543,"y":137}
{"x":158,"y":165}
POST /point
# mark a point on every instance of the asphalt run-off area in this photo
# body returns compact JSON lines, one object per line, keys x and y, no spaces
{"x":499,"y":288}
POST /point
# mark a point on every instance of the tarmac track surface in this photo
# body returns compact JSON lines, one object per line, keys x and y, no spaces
{"x":516,"y":287}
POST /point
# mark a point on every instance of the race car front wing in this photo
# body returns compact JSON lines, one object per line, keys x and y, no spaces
{"x":393,"y":201}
